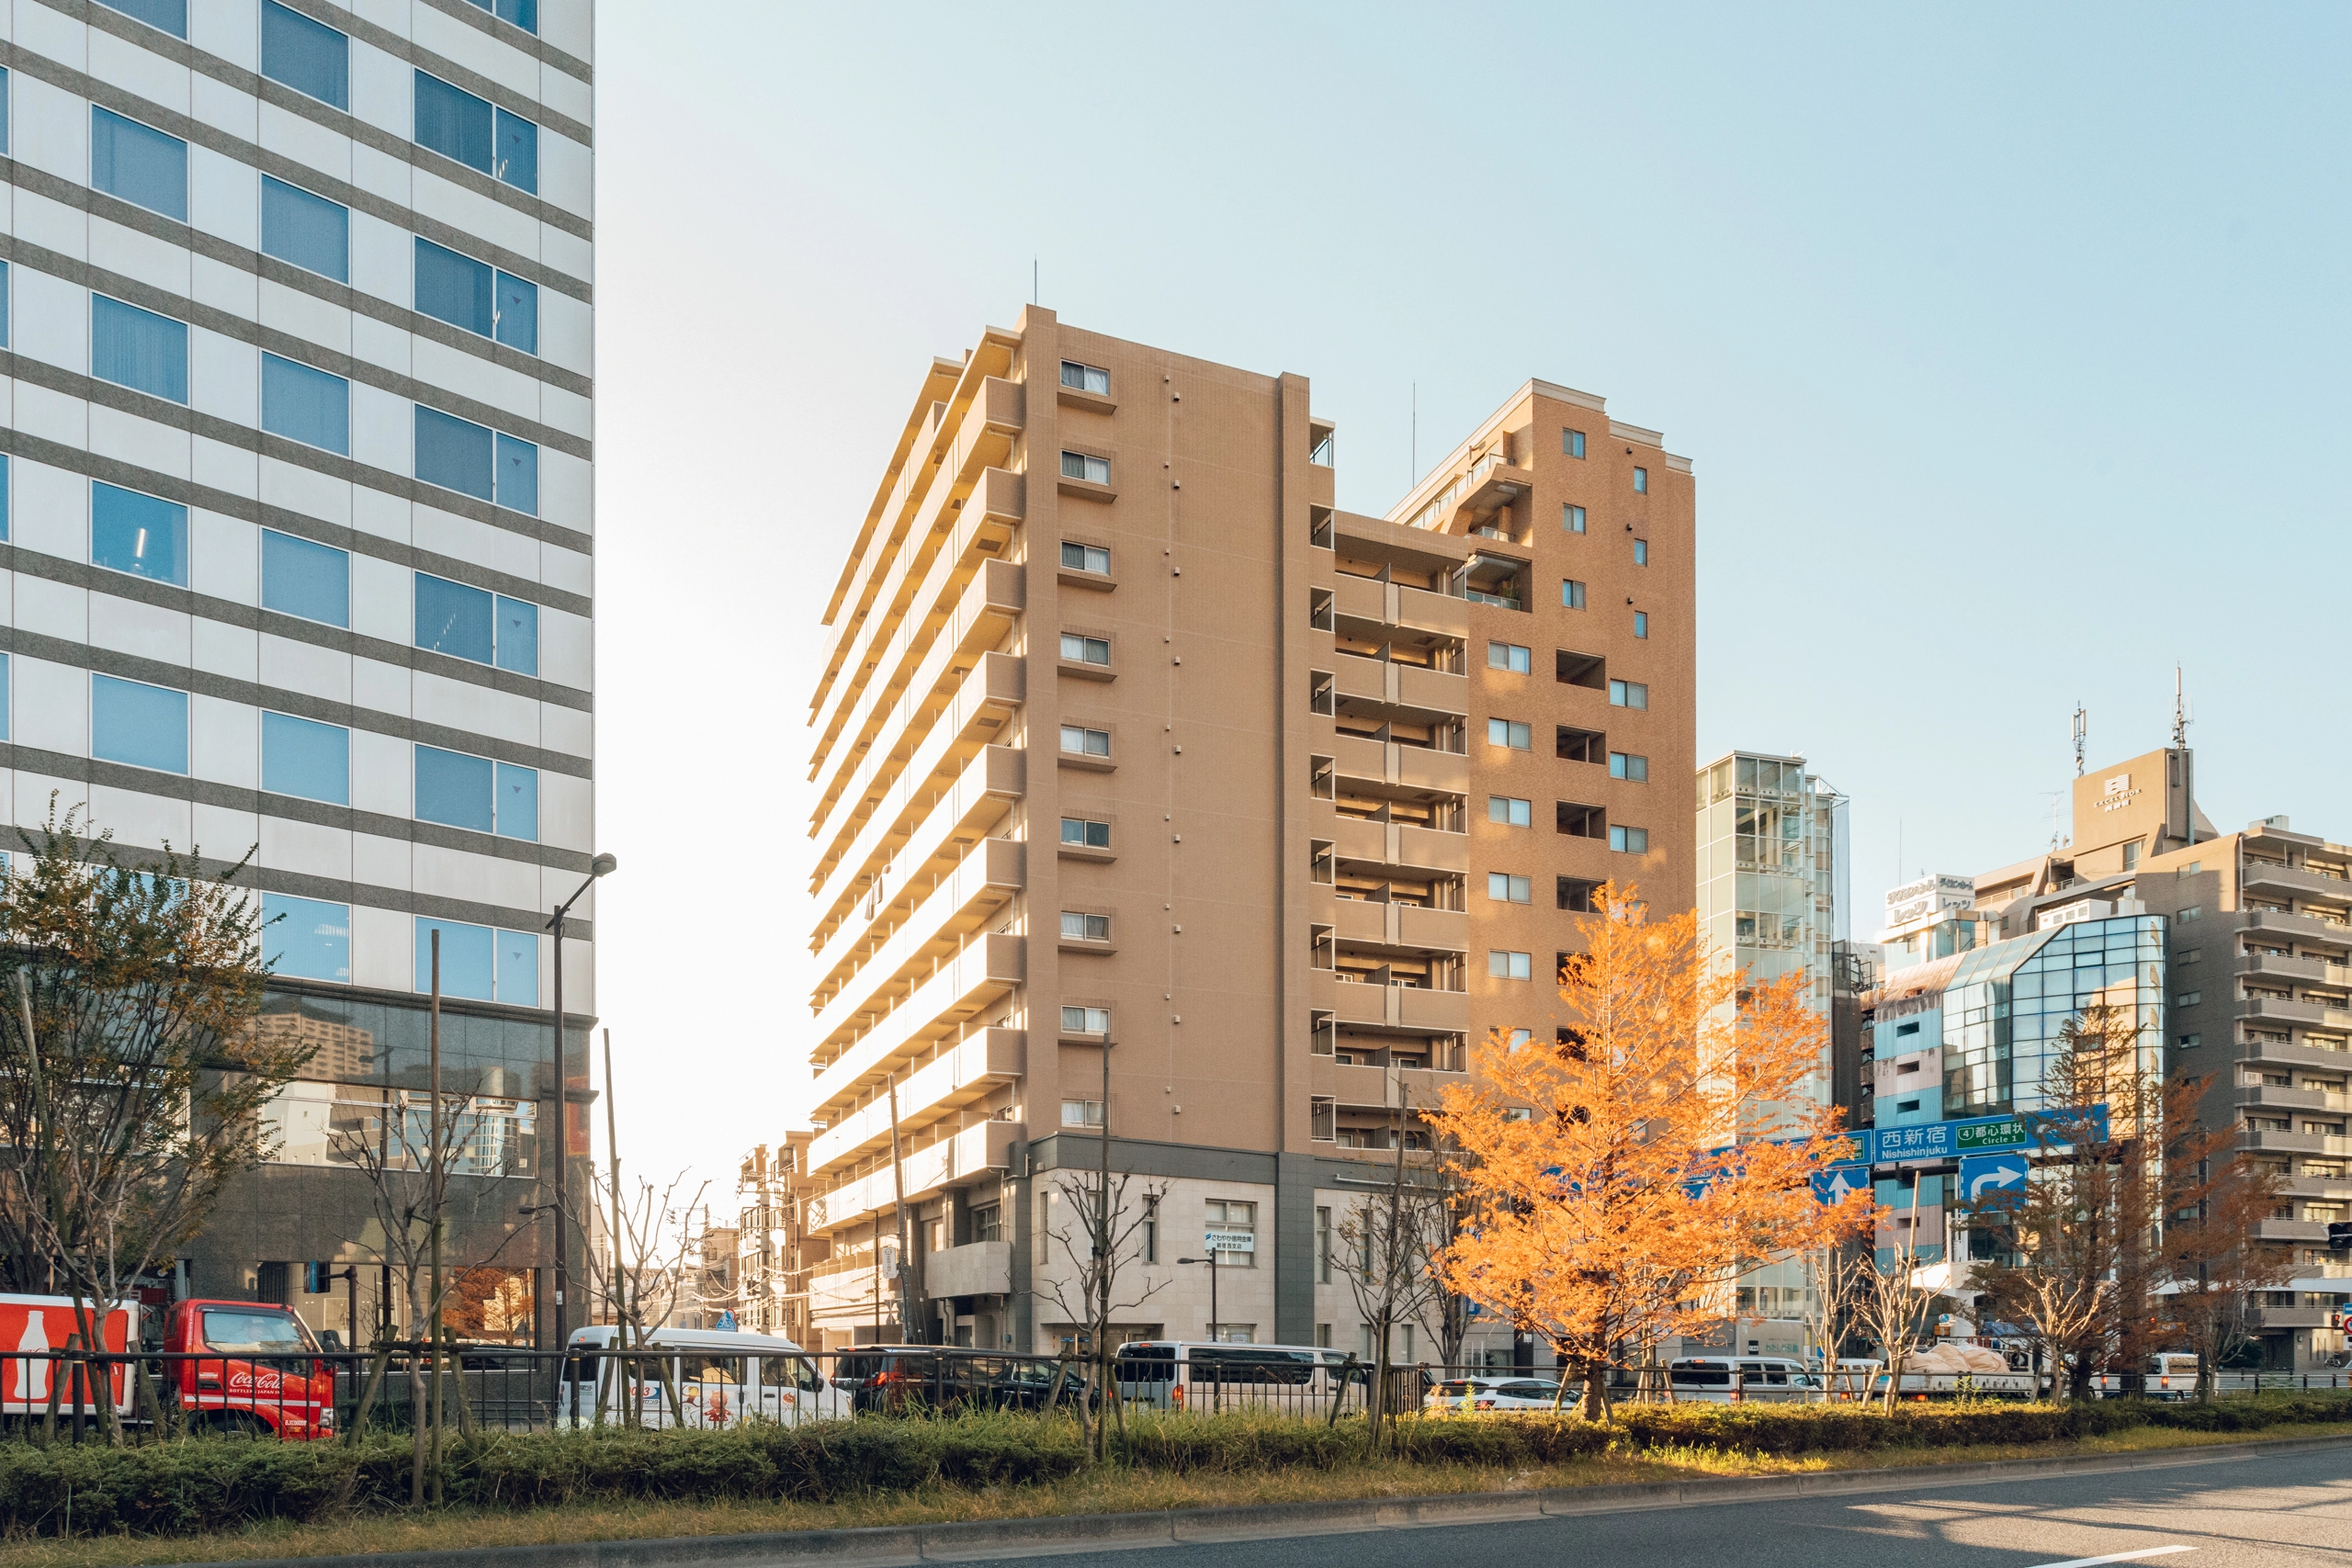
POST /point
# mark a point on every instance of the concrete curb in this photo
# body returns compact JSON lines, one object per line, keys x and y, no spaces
{"x":1057,"y":1534}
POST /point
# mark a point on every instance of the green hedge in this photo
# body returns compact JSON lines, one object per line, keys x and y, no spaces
{"x":209,"y":1483}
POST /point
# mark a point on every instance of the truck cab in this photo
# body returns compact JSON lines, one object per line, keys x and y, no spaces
{"x":252,"y":1370}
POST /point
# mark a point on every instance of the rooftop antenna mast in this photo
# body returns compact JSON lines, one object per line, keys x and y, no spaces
{"x":2181,"y":716}
{"x":2082,"y":733}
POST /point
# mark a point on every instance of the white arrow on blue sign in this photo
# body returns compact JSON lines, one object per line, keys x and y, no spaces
{"x":1983,"y":1174}
{"x":1831,"y":1186}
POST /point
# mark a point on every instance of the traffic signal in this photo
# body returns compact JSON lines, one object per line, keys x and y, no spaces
{"x":2339,"y":1235}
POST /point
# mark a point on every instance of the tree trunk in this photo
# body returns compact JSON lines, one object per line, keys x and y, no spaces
{"x":368,"y":1396}
{"x":416,"y":1433}
{"x":1593,"y":1404}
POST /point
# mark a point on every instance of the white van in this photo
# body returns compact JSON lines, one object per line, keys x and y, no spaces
{"x":1779,"y":1380}
{"x":1179,"y":1375}
{"x":718,"y":1378}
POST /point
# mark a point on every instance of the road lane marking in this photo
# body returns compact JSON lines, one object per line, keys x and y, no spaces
{"x":2115,"y":1557}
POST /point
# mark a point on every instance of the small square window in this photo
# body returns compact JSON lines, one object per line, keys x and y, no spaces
{"x":1086,"y":1020}
{"x":1501,"y":965}
{"x":1081,"y":927}
{"x":1080,"y":834}
{"x":1509,"y":811}
{"x":1641,"y":552}
{"x":1508,"y":656}
{"x":1629,"y":840}
{"x":1086,"y":377}
{"x":2192,"y":1042}
{"x":1081,"y":1113}
{"x":1640,"y":481}
{"x":1641,"y":623}
{"x":1572,"y":443}
{"x":2188,"y":999}
{"x":1571,"y":594}
{"x":1079,"y":466}
{"x":1504,"y":888}
{"x":1507,"y":732}
{"x":2195,"y":911}
{"x":1080,"y":741}
{"x":1628,"y":694}
{"x":1572,"y":519}
{"x":1085,"y":558}
{"x":1086,"y":649}
{"x":1629,"y":765}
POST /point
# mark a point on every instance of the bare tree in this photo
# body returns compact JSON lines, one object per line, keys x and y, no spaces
{"x":1102,"y":1234}
{"x":2216,"y":1197}
{"x":1389,"y":1250}
{"x":653,"y":1251}
{"x":1837,"y":1277}
{"x":1447,"y":1314}
{"x":130,"y":1080}
{"x":1891,"y":1304}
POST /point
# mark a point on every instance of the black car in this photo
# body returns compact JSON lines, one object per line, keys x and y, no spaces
{"x":898,"y":1379}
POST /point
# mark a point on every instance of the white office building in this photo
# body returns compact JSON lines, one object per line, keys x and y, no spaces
{"x":297,"y":532}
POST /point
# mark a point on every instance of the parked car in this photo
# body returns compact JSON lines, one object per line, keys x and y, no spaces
{"x":718,"y":1378}
{"x":893,"y":1379}
{"x":1473,"y":1395}
{"x":1765,"y":1379}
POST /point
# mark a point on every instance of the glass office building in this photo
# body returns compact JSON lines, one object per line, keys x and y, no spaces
{"x":2006,"y":1006}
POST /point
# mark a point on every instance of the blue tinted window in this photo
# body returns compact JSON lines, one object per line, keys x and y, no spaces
{"x":453,"y":122}
{"x":466,"y":959}
{"x":310,"y":57}
{"x":454,"y":789}
{"x":138,"y":163}
{"x":454,"y":619}
{"x":518,"y":152}
{"x":301,"y":757}
{"x":143,"y":726}
{"x":518,"y":475}
{"x":4,"y":112}
{"x":524,"y":13}
{"x":4,"y":265}
{"x":142,"y":534}
{"x":453,"y":289}
{"x":138,"y":349}
{"x":518,"y":313}
{"x":4,"y":496}
{"x":454,"y":452}
{"x":306,"y":938}
{"x":3,"y":710}
{"x":518,"y":801}
{"x":305,"y":405}
{"x":169,"y":15}
{"x":518,"y":969}
{"x":309,"y":231}
{"x":300,"y":576}
{"x":518,"y":635}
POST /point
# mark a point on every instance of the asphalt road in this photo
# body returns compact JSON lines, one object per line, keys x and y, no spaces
{"x":2260,"y":1511}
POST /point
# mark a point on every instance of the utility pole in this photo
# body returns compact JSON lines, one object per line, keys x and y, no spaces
{"x":1103,"y":1232}
{"x":899,"y":1186}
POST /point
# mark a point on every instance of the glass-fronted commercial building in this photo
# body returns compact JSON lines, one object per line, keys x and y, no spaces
{"x":2008,"y":1005}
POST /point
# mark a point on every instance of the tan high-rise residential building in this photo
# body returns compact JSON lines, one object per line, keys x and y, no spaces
{"x":1128,"y":743}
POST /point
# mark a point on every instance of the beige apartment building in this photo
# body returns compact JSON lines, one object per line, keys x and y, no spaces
{"x":2258,"y":970}
{"x":1128,"y":743}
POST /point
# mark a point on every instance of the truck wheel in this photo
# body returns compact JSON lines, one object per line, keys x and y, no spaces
{"x":237,"y":1423}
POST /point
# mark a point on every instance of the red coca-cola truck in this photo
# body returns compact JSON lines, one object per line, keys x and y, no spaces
{"x":239,"y":1368}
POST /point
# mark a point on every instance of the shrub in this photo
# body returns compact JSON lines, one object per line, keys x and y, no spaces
{"x":203,"y":1485}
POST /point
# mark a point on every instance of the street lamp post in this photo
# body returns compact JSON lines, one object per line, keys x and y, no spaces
{"x":1217,"y":1401}
{"x":602,"y":865}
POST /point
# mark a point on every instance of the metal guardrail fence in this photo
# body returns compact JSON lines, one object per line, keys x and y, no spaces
{"x":58,"y":1394}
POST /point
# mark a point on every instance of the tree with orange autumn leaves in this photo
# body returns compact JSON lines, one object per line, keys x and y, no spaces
{"x":1621,"y":1180}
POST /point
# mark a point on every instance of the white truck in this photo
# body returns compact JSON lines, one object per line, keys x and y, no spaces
{"x":1955,"y":1371}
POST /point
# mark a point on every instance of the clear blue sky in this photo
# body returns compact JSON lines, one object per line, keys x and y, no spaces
{"x":2010,"y":344}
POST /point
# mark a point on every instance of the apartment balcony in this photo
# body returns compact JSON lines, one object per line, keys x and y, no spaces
{"x":1401,"y":926}
{"x":1400,"y":605}
{"x":1356,"y":1088}
{"x":920,"y":670}
{"x":853,"y":1292}
{"x":2301,"y":927}
{"x":885,"y":761}
{"x":972,"y":1070}
{"x":2271,"y":1141}
{"x":2288,"y":1317}
{"x":984,"y":973}
{"x":2294,"y":971}
{"x":2298,"y":1054}
{"x":2309,"y":1015}
{"x":1400,"y":686}
{"x":1404,"y":767}
{"x":984,"y":703}
{"x":969,"y":520}
{"x":989,"y":785}
{"x":983,"y":1146}
{"x":1403,"y":845}
{"x":1412,"y":1010}
{"x":2256,"y":876}
{"x":969,"y":898}
{"x":2277,"y":1097}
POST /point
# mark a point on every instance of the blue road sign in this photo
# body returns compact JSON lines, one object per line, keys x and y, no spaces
{"x":1989,"y":1176}
{"x":726,"y":1324}
{"x":1832,"y":1184}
